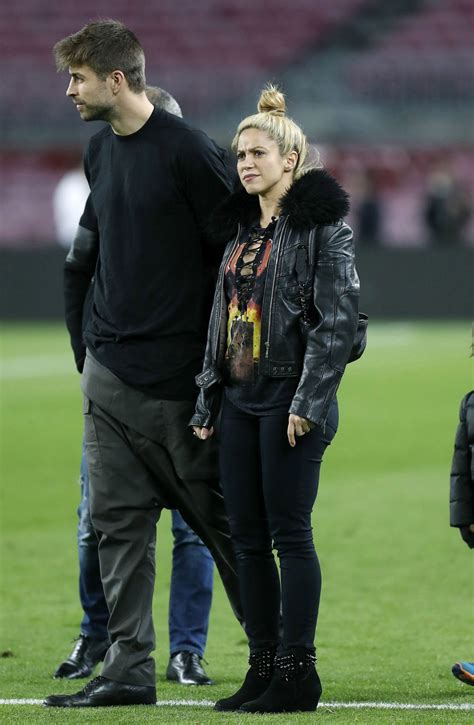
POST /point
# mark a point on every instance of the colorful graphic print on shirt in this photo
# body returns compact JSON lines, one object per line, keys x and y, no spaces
{"x":245,"y":277}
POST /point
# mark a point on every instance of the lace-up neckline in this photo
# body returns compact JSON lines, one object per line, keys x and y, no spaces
{"x":249,"y":262}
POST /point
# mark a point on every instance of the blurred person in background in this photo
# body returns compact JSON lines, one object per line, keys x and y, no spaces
{"x":154,"y":181}
{"x":69,"y":198}
{"x":461,"y":502}
{"x":192,"y":570}
{"x":447,"y":209}
{"x":368,"y":210}
{"x":282,"y":329}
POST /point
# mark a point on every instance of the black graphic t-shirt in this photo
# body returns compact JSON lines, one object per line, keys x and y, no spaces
{"x":245,"y":277}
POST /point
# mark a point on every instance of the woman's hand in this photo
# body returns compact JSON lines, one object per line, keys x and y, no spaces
{"x":202,"y":433}
{"x":297,"y":427}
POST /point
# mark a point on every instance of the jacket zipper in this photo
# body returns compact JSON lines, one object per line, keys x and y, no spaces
{"x":277,"y":261}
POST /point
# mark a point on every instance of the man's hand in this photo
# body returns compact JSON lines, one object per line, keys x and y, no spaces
{"x":297,"y":427}
{"x":202,"y":433}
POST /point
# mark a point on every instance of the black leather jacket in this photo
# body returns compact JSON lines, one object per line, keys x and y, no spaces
{"x":310,"y":321}
{"x":461,"y":500}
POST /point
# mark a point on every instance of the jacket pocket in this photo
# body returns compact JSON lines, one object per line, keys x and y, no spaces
{"x":360,"y":338}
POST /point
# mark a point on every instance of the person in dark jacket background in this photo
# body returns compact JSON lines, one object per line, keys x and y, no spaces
{"x":461,"y":500}
{"x":282,"y":328}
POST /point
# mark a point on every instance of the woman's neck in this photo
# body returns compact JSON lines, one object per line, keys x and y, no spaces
{"x":268,"y":209}
{"x":270,"y":200}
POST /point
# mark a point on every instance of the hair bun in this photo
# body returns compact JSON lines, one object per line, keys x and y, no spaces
{"x":272,"y":100}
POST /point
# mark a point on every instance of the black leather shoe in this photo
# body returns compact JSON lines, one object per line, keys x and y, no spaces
{"x":87,"y":653}
{"x":101,"y":692}
{"x":186,"y":668}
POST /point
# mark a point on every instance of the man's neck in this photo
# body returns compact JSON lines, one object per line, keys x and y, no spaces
{"x":131,"y":114}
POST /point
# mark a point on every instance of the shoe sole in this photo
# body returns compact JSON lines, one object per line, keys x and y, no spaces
{"x":462,"y":675}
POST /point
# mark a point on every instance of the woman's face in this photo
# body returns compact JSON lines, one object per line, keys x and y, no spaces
{"x":261,"y":168}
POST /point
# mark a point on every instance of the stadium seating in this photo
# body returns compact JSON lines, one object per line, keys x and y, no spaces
{"x":214,"y":52}
{"x":428,"y":54}
{"x":223,"y":44}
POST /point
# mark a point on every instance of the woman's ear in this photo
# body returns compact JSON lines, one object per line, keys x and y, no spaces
{"x":291,"y":161}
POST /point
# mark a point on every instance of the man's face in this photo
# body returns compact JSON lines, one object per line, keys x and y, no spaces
{"x":92,"y":96}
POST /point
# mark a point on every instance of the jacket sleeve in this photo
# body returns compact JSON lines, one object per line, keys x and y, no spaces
{"x":461,"y":500}
{"x":208,"y":402}
{"x":330,"y":339}
{"x":209,"y":381}
{"x":79,"y":269}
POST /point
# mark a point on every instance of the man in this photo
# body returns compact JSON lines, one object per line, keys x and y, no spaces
{"x":192,"y":569}
{"x":154,"y":181}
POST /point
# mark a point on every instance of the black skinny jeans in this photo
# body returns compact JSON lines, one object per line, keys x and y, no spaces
{"x":269,"y":492}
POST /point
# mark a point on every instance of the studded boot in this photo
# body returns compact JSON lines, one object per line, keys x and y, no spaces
{"x":295,"y":685}
{"x":256,"y":680}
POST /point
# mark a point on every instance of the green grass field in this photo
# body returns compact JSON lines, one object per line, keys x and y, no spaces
{"x":398,"y":585}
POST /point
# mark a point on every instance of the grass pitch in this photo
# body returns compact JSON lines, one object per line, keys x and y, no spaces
{"x":398,"y":585}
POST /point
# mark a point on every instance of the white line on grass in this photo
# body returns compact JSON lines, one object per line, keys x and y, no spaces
{"x":398,"y":705}
{"x":334,"y":705}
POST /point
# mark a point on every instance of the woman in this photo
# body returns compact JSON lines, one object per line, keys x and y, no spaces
{"x":282,"y":329}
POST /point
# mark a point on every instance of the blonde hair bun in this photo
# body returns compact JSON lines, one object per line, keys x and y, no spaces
{"x":272,"y":101}
{"x":272,"y":120}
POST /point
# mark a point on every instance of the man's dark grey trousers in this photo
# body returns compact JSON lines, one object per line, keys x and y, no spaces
{"x":142,"y":458}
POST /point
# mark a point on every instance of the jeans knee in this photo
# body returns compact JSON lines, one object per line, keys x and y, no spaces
{"x":183,"y":534}
{"x":85,"y":529}
{"x":86,"y":535}
{"x":185,"y":537}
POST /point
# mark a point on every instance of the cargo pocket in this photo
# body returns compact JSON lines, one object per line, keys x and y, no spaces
{"x":94,"y":459}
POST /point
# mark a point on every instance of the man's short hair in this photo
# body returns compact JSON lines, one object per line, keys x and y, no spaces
{"x":104,"y":46}
{"x":162,"y":99}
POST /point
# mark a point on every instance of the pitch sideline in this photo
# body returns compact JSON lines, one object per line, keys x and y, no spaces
{"x":328,"y":705}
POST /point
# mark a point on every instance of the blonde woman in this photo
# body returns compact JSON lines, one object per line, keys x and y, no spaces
{"x":283,"y":326}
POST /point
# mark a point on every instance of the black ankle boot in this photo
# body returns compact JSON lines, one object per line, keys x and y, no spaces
{"x":256,"y":680}
{"x":295,"y":684}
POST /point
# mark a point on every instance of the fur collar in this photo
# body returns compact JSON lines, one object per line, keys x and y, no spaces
{"x":315,"y":198}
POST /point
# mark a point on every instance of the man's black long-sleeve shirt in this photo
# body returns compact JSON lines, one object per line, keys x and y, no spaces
{"x":151,"y":195}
